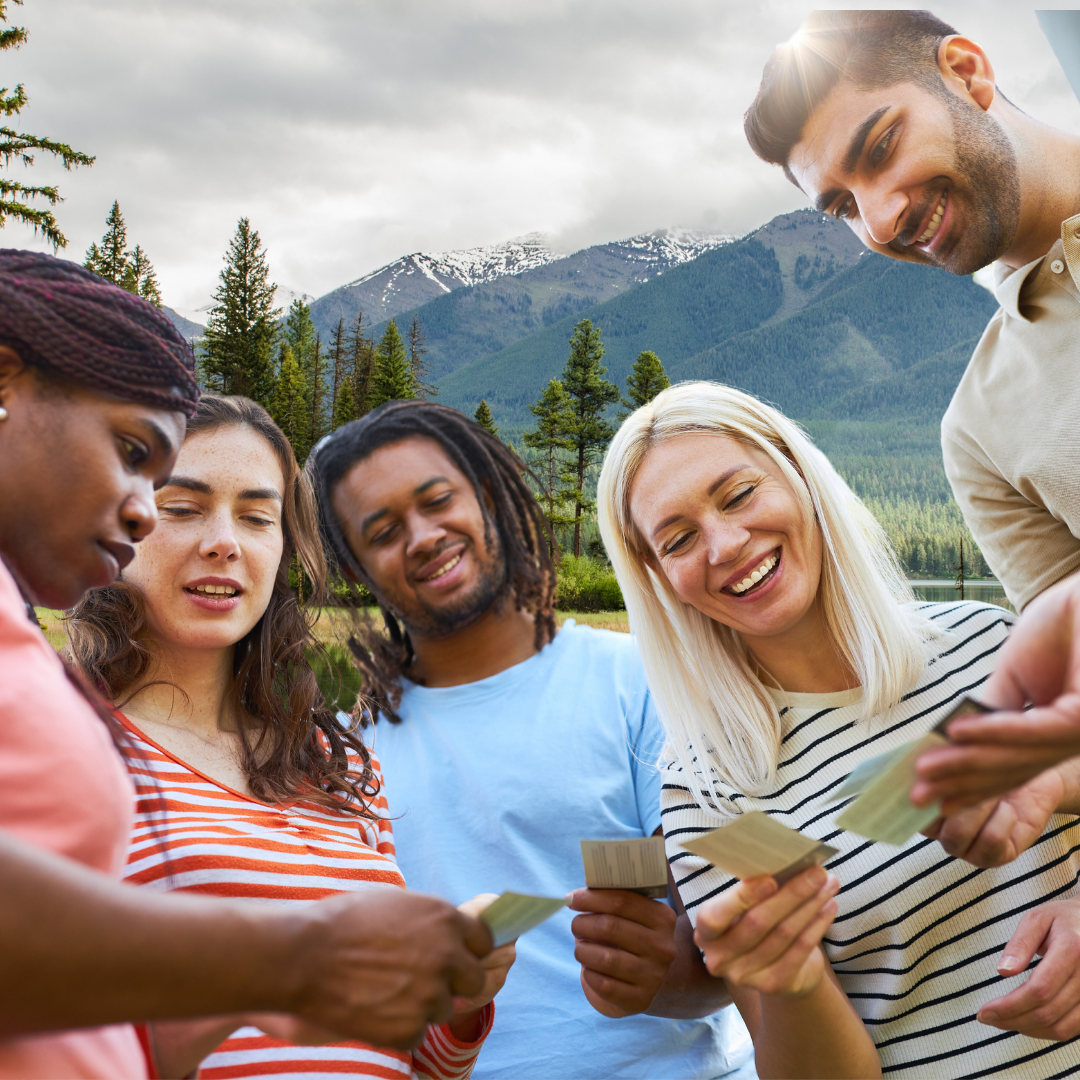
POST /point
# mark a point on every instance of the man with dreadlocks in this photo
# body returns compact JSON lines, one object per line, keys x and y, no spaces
{"x":509,"y":743}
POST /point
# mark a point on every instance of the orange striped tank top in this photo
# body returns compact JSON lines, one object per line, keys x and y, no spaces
{"x":195,"y":834}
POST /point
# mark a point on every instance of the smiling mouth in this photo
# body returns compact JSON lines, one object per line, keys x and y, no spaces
{"x":212,"y":590}
{"x":444,"y":569}
{"x":935,"y":221}
{"x":757,"y":577}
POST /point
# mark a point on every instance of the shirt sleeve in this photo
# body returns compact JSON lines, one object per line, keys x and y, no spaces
{"x":442,"y":1057}
{"x":1026,"y":547}
{"x":646,"y":744}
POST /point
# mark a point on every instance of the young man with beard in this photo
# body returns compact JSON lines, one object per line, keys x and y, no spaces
{"x":507,"y":742}
{"x":891,"y":121}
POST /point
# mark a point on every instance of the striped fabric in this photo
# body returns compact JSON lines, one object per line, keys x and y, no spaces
{"x":215,"y":840}
{"x":918,"y":933}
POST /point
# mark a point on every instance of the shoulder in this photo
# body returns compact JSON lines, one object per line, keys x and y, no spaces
{"x":576,"y":642}
{"x":965,"y":630}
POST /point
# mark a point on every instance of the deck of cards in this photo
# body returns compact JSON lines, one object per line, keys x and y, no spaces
{"x":757,"y":844}
{"x":884,"y":811}
{"x":637,"y":865}
{"x":513,"y":914}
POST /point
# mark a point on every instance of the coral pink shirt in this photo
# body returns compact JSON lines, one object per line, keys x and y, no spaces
{"x":63,"y":787}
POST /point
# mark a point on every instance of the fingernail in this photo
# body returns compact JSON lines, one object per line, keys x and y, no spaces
{"x":1008,"y":965}
{"x":833,"y":884}
{"x":986,"y":1016}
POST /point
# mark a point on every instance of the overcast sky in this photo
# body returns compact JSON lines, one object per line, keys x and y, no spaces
{"x":354,"y":131}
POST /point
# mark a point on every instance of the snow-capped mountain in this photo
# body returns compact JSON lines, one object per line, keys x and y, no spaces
{"x":665,"y":248}
{"x":415,"y":279}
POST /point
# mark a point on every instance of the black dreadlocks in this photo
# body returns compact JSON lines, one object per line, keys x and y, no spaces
{"x":493,"y":470}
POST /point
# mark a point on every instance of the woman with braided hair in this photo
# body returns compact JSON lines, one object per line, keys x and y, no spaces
{"x":95,"y":387}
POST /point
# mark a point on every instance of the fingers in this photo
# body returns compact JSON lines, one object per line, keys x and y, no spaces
{"x":477,"y":936}
{"x":621,"y":903}
{"x":718,"y":915}
{"x":982,"y":829}
{"x":478,"y":903}
{"x":779,"y":956}
{"x":962,"y":776}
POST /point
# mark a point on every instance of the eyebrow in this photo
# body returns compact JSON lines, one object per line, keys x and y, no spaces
{"x":189,"y":483}
{"x":159,"y":433}
{"x":723,"y":478}
{"x":851,"y":157}
{"x":373,"y":517}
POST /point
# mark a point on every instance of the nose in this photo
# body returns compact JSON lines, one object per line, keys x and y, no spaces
{"x":219,"y":541}
{"x":724,"y":541}
{"x":883,"y":211}
{"x":424,"y":534}
{"x":138,"y":513}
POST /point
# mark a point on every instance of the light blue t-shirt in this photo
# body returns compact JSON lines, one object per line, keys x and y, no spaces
{"x":491,"y":785}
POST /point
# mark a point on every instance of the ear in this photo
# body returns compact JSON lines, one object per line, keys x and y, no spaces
{"x":12,"y":366}
{"x":966,"y":70}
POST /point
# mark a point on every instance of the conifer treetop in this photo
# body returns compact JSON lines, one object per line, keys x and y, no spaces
{"x":17,"y":145}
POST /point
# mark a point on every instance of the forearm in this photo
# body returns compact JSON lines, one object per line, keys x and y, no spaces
{"x":79,"y":949}
{"x":180,"y":1045}
{"x":689,"y":991}
{"x":819,"y":1035}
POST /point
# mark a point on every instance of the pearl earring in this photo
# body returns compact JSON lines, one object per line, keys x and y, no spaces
{"x":3,"y":414}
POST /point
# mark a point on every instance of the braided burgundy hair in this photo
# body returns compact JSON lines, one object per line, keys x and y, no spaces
{"x":73,"y":324}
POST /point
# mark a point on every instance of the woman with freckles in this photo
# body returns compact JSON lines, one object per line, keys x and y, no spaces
{"x":249,"y":786}
{"x":784,"y":647}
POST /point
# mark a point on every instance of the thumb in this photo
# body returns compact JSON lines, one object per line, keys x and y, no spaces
{"x":1026,"y":942}
{"x":717,"y":916}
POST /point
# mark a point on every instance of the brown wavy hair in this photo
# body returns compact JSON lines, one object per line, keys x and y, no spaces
{"x":292,"y":744}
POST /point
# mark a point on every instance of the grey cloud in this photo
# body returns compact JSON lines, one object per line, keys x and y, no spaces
{"x":352,"y":132}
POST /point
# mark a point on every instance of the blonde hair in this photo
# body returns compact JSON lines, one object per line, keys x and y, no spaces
{"x":714,"y":707}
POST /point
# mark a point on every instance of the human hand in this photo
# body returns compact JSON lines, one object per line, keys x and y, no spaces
{"x":997,"y":831}
{"x":625,"y":944}
{"x":1040,"y":663}
{"x":768,"y":938}
{"x":380,"y":965}
{"x":496,"y":964}
{"x":1047,"y":1006}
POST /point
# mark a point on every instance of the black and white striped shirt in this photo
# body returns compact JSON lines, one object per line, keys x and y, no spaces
{"x":918,"y":934}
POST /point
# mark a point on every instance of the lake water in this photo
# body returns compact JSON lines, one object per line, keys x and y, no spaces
{"x":989,"y":592}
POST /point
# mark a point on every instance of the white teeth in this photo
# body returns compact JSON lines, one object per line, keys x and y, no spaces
{"x":216,"y":590}
{"x":935,"y":221}
{"x":755,"y":575}
{"x":447,"y":568}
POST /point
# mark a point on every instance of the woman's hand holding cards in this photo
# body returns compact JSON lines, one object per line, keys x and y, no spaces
{"x":768,"y":938}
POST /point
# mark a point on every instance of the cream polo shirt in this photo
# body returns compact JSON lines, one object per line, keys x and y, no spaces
{"x":1011,"y":435}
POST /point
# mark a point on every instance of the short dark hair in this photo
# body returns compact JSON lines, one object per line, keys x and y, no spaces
{"x":74,"y":326}
{"x":870,"y":49}
{"x":495,"y":472}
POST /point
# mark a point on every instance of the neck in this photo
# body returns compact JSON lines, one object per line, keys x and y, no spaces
{"x":1048,"y":161}
{"x":498,"y":640}
{"x":802,"y":660}
{"x":190,"y":689}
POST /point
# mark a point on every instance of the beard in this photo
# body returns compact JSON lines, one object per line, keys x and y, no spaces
{"x":428,"y":621}
{"x":986,"y":184}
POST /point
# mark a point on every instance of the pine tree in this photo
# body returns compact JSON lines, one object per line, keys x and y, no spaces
{"x":241,"y":332}
{"x":317,"y":393}
{"x":590,"y":395}
{"x":288,"y":406}
{"x":646,"y":379}
{"x":340,"y":371}
{"x":393,"y":379}
{"x":18,"y":144}
{"x":344,"y":404}
{"x":552,"y":412}
{"x":139,"y":277}
{"x":131,"y":270}
{"x":417,"y":364}
{"x":110,"y":258}
{"x":364,"y":365}
{"x":483,"y":417}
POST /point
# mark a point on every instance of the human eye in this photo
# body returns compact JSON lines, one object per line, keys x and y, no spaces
{"x":134,"y":452}
{"x":739,"y":497}
{"x":439,"y":501}
{"x":176,"y":511}
{"x":881,"y":147}
{"x":673,"y":547}
{"x":846,"y":209}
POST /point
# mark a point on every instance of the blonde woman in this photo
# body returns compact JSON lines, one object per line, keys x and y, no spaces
{"x":784,"y":647}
